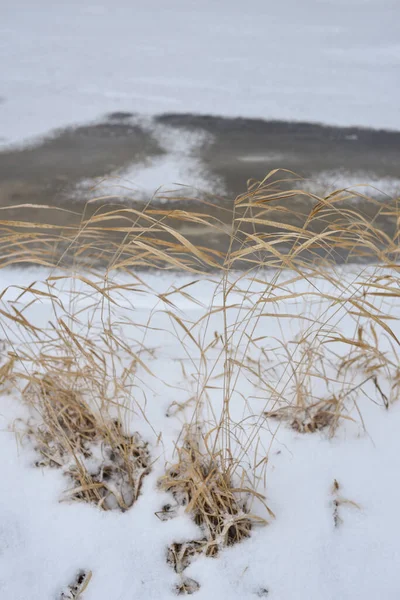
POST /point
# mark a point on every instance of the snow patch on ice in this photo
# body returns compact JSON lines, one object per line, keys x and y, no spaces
{"x":359,"y":181}
{"x":178,"y":172}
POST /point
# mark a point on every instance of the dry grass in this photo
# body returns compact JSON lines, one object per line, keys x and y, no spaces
{"x":6,"y":370}
{"x":338,"y":502}
{"x":80,"y":397}
{"x":105,"y":466}
{"x":276,"y":262}
{"x":207,"y":493}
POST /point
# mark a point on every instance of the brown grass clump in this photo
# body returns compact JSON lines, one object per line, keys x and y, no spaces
{"x":315,"y":417}
{"x":69,"y":426}
{"x":198,"y":484}
{"x":348,"y":374}
{"x":106,"y":466}
{"x":78,"y":379}
{"x":307,"y":365}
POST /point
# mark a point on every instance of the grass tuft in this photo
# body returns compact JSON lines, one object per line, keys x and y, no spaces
{"x":106,"y":466}
{"x":207,"y":493}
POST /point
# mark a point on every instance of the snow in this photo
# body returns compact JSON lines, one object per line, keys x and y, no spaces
{"x":300,"y":555}
{"x":334,"y":61}
{"x":360,"y":182}
{"x":164,"y":178}
{"x":166,"y":175}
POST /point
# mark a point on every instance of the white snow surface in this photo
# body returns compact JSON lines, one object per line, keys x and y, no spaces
{"x":360,"y":182}
{"x":300,"y":555}
{"x":179,"y":171}
{"x":334,"y":61}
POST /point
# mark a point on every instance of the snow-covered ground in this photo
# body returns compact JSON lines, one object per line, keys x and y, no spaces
{"x":335,"y":61}
{"x":300,"y":555}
